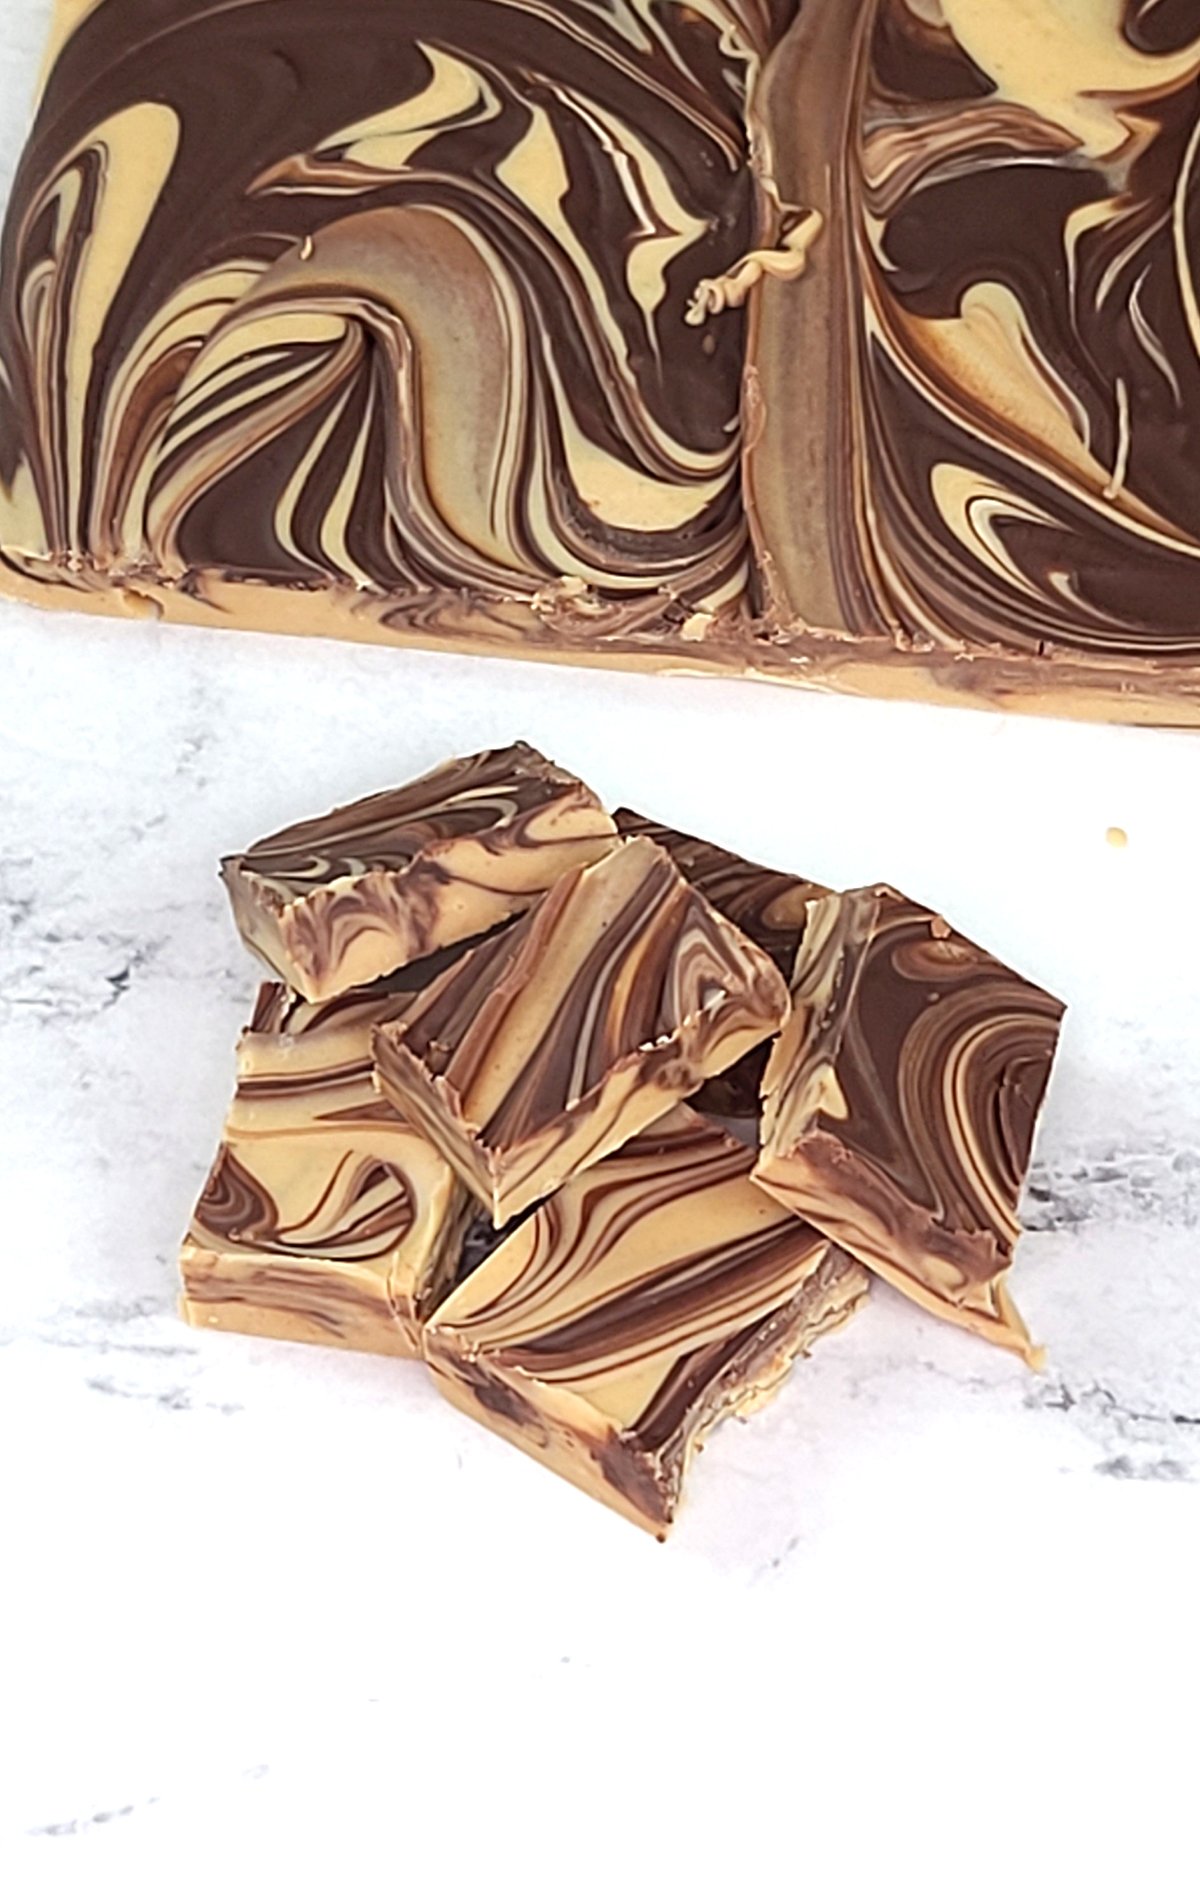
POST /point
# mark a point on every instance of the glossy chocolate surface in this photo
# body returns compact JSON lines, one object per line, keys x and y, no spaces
{"x":850,"y":345}
{"x":978,"y":423}
{"x":390,"y":294}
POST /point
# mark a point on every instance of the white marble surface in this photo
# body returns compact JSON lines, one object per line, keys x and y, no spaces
{"x":278,"y":1623}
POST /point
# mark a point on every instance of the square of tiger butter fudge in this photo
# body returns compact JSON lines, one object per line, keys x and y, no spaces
{"x":339,"y":901}
{"x":901,"y":1102}
{"x":657,"y":1293}
{"x":326,"y":1217}
{"x":548,"y":1046}
{"x":770,"y":907}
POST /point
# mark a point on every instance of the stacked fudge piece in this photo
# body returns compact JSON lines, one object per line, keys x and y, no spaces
{"x":604,"y":1122}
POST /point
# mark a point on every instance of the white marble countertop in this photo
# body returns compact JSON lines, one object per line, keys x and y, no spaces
{"x":276,"y":1622}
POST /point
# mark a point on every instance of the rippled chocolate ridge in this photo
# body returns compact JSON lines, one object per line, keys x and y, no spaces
{"x":549,"y":1046}
{"x":977,"y":415}
{"x":652,"y":1296}
{"x":901,"y":1102}
{"x":341,"y":900}
{"x":769,"y":907}
{"x":384,"y":295}
{"x":326,"y":1218}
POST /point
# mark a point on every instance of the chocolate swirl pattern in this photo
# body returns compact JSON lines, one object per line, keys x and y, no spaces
{"x":901,"y":1102}
{"x":326,"y":1218}
{"x":341,"y":900}
{"x":980,"y":406}
{"x":654,"y":1295}
{"x":547,"y":1047}
{"x":389,"y":297}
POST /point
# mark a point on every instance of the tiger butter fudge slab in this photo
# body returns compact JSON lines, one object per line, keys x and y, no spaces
{"x":901,"y":1102}
{"x":547,"y":1047}
{"x":326,"y":1217}
{"x":336,"y":902}
{"x":654,"y":1295}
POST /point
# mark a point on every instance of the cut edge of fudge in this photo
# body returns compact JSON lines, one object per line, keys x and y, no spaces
{"x":734,"y":1373}
{"x":954,"y":1266}
{"x":507,"y":1171}
{"x":325,"y":936}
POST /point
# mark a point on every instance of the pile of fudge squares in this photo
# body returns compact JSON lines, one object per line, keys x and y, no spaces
{"x":605,"y":1123}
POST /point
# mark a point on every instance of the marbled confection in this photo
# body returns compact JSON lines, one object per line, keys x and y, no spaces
{"x":901,"y":1101}
{"x":344,"y":899}
{"x":651,"y":1297}
{"x":548,"y":1046}
{"x":849,"y":343}
{"x":326,"y":1217}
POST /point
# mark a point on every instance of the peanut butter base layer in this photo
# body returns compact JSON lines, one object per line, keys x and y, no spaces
{"x":653,"y":1296}
{"x":901,"y":1103}
{"x":596,"y":633}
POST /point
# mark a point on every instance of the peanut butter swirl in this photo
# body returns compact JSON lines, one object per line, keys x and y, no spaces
{"x":326,"y":1217}
{"x":901,"y":1102}
{"x":978,"y":411}
{"x":341,"y":900}
{"x":550,"y":1045}
{"x":387,"y":295}
{"x":652,"y":1296}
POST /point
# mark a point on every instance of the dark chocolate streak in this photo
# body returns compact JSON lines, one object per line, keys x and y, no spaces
{"x":388,"y":293}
